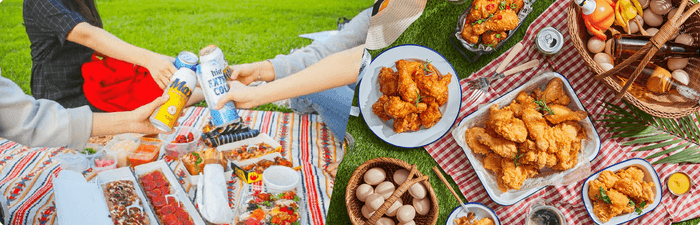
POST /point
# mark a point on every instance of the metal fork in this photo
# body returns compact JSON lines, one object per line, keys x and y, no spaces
{"x":480,"y":86}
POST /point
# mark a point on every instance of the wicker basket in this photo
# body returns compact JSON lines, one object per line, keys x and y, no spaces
{"x":389,"y":165}
{"x":661,"y":105}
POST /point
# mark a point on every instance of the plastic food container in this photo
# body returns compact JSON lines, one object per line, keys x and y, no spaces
{"x":281,"y":178}
{"x":102,"y":157}
{"x":261,"y":204}
{"x":121,"y":146}
{"x":73,"y":162}
{"x":146,"y":152}
{"x":175,"y":150}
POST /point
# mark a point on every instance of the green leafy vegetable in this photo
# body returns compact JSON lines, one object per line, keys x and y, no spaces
{"x":89,"y":151}
{"x":640,"y":208}
{"x":498,"y":36}
{"x":604,"y":195}
{"x":199,"y":158}
{"x":517,"y":156}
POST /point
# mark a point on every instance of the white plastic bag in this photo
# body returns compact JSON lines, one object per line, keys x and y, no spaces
{"x":214,"y":195}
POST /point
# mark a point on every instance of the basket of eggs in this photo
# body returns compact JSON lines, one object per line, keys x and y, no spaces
{"x":390,"y":191}
{"x":647,"y":51}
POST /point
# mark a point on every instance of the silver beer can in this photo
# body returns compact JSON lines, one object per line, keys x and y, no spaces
{"x":186,"y":59}
{"x":215,"y":86}
{"x":213,"y":53}
{"x":549,"y":41}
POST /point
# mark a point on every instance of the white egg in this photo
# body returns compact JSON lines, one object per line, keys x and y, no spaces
{"x":685,"y":39}
{"x":671,"y":13}
{"x":602,"y":58}
{"x":406,"y":213}
{"x":408,"y":223}
{"x":608,"y":46}
{"x":653,"y":19}
{"x":385,"y":189}
{"x":422,"y":206}
{"x":644,"y":3}
{"x":374,"y":201}
{"x":366,"y":212}
{"x":681,"y":76}
{"x":385,"y":221}
{"x":394,"y":208}
{"x":417,"y":190}
{"x":633,"y":26}
{"x":363,"y":191}
{"x":652,"y":31}
{"x":596,"y":45}
{"x":606,"y":66}
{"x":375,"y":176}
{"x":677,"y":63}
{"x":660,"y":7}
{"x":400,"y":176}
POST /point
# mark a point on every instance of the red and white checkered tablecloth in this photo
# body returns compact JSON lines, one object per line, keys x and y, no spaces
{"x":568,"y":62}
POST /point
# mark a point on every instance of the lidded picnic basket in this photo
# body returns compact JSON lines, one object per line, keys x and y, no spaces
{"x":390,"y":165}
{"x":667,"y":105}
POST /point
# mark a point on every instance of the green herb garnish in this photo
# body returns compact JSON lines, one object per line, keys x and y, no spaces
{"x":517,"y":156}
{"x":425,"y":67}
{"x":604,"y":195}
{"x":513,"y":6}
{"x":640,"y":208}
{"x":417,"y":98}
{"x":543,"y":106}
{"x":199,"y":158}
{"x":296,"y":198}
{"x":89,"y":151}
{"x":498,"y":36}
{"x":631,"y":203}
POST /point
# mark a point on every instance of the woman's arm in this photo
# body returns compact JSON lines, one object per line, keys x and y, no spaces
{"x":160,"y":66}
{"x":333,"y":71}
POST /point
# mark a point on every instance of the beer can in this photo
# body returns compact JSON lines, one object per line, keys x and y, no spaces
{"x":186,"y":59}
{"x":213,"y":53}
{"x":181,"y":86}
{"x":549,"y":41}
{"x":215,"y":86}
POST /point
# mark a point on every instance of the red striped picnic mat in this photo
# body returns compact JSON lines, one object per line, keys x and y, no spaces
{"x":568,"y":62}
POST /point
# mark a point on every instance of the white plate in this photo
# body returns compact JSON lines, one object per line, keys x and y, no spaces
{"x":650,"y":175}
{"x":589,"y":150}
{"x":480,"y":211}
{"x":369,"y":94}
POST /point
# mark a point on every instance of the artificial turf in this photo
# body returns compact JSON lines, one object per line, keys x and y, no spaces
{"x":432,"y":29}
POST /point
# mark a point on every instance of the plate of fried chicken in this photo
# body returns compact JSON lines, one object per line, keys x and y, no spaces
{"x":533,"y":136}
{"x":410,"y":96}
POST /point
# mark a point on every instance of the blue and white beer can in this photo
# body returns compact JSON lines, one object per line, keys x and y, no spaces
{"x":215,"y":86}
{"x":186,"y":59}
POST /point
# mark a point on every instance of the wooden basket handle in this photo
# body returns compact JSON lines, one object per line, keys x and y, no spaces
{"x":410,"y":181}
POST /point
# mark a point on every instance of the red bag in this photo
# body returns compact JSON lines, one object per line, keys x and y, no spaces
{"x":113,"y":85}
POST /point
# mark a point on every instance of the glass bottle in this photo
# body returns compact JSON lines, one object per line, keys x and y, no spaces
{"x":658,"y":80}
{"x":624,"y":46}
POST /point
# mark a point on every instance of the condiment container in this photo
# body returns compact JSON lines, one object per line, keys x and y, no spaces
{"x":146,"y":152}
{"x":175,"y":150}
{"x":103,"y":156}
{"x":281,"y":178}
{"x":670,"y":181}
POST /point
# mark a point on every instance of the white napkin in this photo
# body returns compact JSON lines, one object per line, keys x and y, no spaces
{"x":211,"y":189}
{"x":77,"y":201}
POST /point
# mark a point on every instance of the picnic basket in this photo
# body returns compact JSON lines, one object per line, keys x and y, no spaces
{"x":390,"y":165}
{"x":660,"y":105}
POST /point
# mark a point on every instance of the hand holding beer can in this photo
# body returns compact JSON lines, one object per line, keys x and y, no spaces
{"x":181,"y":86}
{"x":214,"y":85}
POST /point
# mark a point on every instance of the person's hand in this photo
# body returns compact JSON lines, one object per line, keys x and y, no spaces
{"x":161,"y":70}
{"x":251,"y":72}
{"x":139,"y":117}
{"x":241,"y":95}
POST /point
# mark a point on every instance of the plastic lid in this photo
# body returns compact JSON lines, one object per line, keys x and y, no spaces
{"x":281,"y":178}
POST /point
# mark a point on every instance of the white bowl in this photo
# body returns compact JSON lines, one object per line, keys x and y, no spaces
{"x":480,"y":211}
{"x":589,"y":150}
{"x":369,"y":93}
{"x":650,"y":175}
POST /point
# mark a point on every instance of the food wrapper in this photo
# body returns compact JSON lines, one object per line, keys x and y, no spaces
{"x":212,"y":195}
{"x":214,"y":137}
{"x":547,"y":176}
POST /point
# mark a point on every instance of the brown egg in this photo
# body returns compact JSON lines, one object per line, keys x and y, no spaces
{"x":677,"y":63}
{"x":602,"y":58}
{"x":608,"y":46}
{"x":385,"y":189}
{"x":671,"y":13}
{"x":363,"y":191}
{"x":417,"y":190}
{"x":652,"y":19}
{"x":606,"y":66}
{"x":675,"y":35}
{"x":680,"y":76}
{"x":400,"y":176}
{"x":644,"y":3}
{"x":685,"y":39}
{"x":406,"y":213}
{"x":652,"y":31}
{"x":394,"y":208}
{"x":596,"y":45}
{"x":375,"y":176}
{"x":633,"y":26}
{"x":366,"y":212}
{"x":385,"y":221}
{"x":408,"y":223}
{"x":660,"y":7}
{"x":374,"y":201}
{"x":422,"y":206}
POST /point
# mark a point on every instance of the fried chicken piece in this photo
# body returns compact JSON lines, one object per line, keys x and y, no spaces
{"x":638,"y":190}
{"x":565,"y":134}
{"x":563,"y":113}
{"x":500,"y":146}
{"x":522,"y":101}
{"x":431,"y":84}
{"x":481,"y":9}
{"x":530,"y":155}
{"x":484,"y":221}
{"x":470,"y":220}
{"x":431,"y":115}
{"x":603,"y":210}
{"x":378,"y":108}
{"x":538,"y":129}
{"x":397,"y":108}
{"x":469,"y":35}
{"x":619,"y":201}
{"x":518,"y":5}
{"x":608,"y":179}
{"x":632,"y":172}
{"x":513,"y":177}
{"x":505,"y":124}
{"x":493,"y":38}
{"x":492,"y":162}
{"x":553,"y":93}
{"x":503,"y":20}
{"x":388,"y":81}
{"x":408,"y":89}
{"x":407,"y":123}
{"x":594,"y":189}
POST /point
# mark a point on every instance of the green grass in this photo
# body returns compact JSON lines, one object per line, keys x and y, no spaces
{"x":432,"y":29}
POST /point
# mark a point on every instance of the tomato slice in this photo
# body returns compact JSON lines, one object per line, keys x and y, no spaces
{"x":170,"y":219}
{"x":158,"y":202}
{"x":149,"y":185}
{"x":164,"y":190}
{"x":166,"y":210}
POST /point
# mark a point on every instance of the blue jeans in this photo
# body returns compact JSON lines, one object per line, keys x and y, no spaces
{"x":332,"y":105}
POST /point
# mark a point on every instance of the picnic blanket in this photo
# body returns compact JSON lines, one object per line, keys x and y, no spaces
{"x":26,"y":182}
{"x":569,"y":63}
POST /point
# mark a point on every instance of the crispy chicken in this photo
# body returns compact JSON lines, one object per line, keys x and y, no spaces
{"x":388,"y":81}
{"x":397,"y":108}
{"x":431,"y":115}
{"x":538,"y":129}
{"x":500,"y":146}
{"x":553,"y":93}
{"x":506,"y":125}
{"x":408,"y":89}
{"x":493,"y":38}
{"x":407,"y":123}
{"x":618,"y":193}
{"x":481,"y":9}
{"x":492,"y":162}
{"x":378,"y":108}
{"x":470,"y":137}
{"x":502,"y":20}
{"x":563,"y":113}
{"x":513,"y":177}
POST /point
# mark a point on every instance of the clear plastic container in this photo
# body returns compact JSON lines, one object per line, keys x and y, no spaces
{"x":103,"y":157}
{"x":73,"y":162}
{"x":175,"y":150}
{"x":146,"y":152}
{"x":279,"y":179}
{"x":260,"y":203}
{"x":121,"y":147}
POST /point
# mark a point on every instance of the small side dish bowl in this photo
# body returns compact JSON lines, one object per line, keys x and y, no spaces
{"x":480,"y":211}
